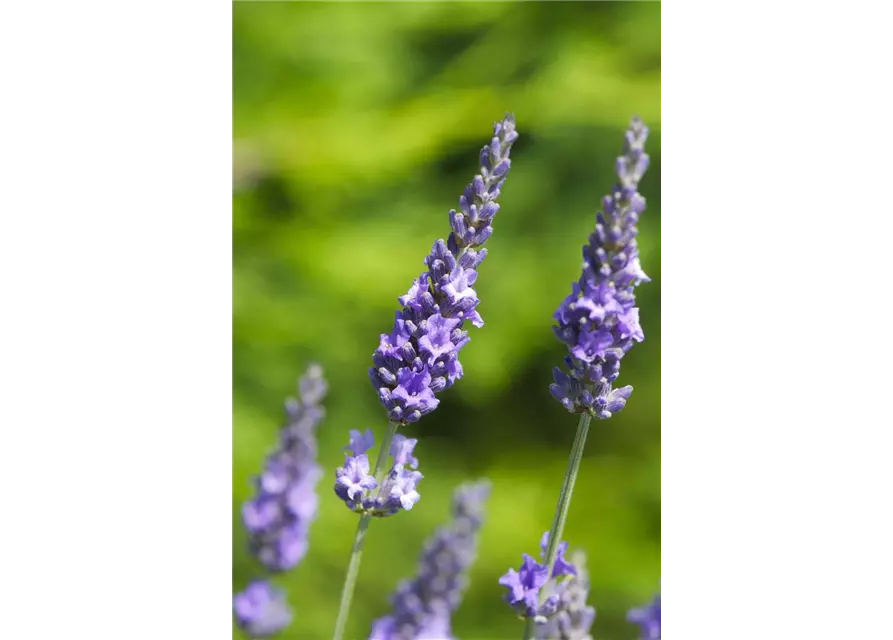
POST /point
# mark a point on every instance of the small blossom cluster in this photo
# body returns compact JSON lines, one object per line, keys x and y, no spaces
{"x":278,"y":517}
{"x":261,"y":610}
{"x":599,"y":321}
{"x":526,"y":585}
{"x":575,"y":617}
{"x":423,"y":607}
{"x":648,"y":619}
{"x":420,"y":357}
{"x":360,"y":490}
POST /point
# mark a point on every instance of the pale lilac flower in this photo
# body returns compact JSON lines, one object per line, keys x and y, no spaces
{"x":359,"y":489}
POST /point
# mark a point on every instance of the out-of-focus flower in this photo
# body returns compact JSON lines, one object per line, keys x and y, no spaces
{"x":278,"y":517}
{"x":261,"y":610}
{"x":648,"y":619}
{"x":423,"y":607}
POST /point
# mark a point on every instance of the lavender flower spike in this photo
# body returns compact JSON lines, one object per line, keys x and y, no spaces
{"x":574,"y":618}
{"x":359,"y":489}
{"x":420,"y":357}
{"x":278,"y":517}
{"x":423,"y":607}
{"x":599,"y":321}
{"x":534,"y":592}
{"x":648,"y":619}
{"x":261,"y":610}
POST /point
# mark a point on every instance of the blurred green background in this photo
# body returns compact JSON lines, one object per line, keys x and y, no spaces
{"x":356,"y":128}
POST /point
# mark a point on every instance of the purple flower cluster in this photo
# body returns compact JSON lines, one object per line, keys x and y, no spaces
{"x":261,"y":610}
{"x":599,"y":321}
{"x":648,"y":619}
{"x":278,"y":518}
{"x":420,"y":357}
{"x":524,"y":586}
{"x":360,"y":490}
{"x":575,"y":617}
{"x":423,"y":607}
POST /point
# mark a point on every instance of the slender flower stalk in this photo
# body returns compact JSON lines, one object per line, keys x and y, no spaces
{"x":599,"y":321}
{"x":423,"y":607}
{"x":420,"y":357}
{"x":564,"y":503}
{"x":279,"y":516}
{"x":358,"y":442}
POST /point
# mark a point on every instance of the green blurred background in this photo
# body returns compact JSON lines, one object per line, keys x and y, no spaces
{"x":356,"y":128}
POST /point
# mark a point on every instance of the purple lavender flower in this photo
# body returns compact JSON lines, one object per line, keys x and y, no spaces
{"x":599,"y":321}
{"x":423,"y":607}
{"x":420,"y":357}
{"x":524,"y":586}
{"x":574,"y":617}
{"x":279,"y":516}
{"x":648,"y":619}
{"x":261,"y":610}
{"x":360,"y":490}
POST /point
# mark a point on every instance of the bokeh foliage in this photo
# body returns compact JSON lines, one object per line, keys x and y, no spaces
{"x":356,"y":126}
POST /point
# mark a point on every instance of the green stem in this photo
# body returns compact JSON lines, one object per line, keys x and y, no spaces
{"x":564,"y":503}
{"x":356,"y":553}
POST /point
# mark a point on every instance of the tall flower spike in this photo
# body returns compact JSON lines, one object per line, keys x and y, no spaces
{"x":420,"y":357}
{"x":359,"y":489}
{"x":423,"y":607}
{"x":599,"y":321}
{"x":648,"y":619}
{"x":533,"y":591}
{"x":575,"y":617}
{"x":278,"y":517}
{"x":261,"y":610}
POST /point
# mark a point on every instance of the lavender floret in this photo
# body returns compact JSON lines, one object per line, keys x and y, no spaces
{"x":423,"y":607}
{"x":599,"y":321}
{"x":261,"y":610}
{"x":648,"y":619}
{"x":574,"y":617}
{"x":278,"y":518}
{"x":420,"y":357}
{"x":524,"y":586}
{"x":359,"y":489}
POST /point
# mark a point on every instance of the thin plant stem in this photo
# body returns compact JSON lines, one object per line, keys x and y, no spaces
{"x":564,"y":503}
{"x":356,"y":553}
